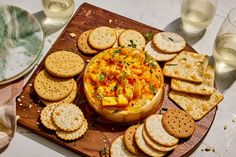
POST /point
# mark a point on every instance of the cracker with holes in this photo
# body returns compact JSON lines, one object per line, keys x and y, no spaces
{"x":70,"y":98}
{"x":129,"y":140}
{"x":196,"y":105}
{"x":84,"y":45}
{"x":155,"y":130}
{"x":142,"y":144}
{"x":178,"y":123}
{"x":46,"y":117}
{"x":204,"y":88}
{"x":118,"y":32}
{"x":73,"y":135}
{"x":118,"y":148}
{"x":52,"y":88}
{"x":188,"y":66}
{"x":102,"y":38}
{"x":64,"y":64}
{"x":68,"y":117}
{"x":156,"y":54}
{"x":132,"y":38}
{"x":156,"y":145}
{"x":169,"y":42}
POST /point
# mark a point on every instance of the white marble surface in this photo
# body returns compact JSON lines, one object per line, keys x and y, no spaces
{"x":162,"y":14}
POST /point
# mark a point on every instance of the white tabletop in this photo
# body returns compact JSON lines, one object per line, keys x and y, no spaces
{"x":162,"y":14}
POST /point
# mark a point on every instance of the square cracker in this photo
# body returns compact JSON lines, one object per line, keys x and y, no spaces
{"x":196,"y":105}
{"x":204,"y":88}
{"x":188,"y":66}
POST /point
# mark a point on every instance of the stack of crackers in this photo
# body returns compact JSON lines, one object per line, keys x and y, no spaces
{"x":192,"y":83}
{"x":192,"y":78}
{"x":103,"y":37}
{"x":158,"y":135}
{"x":165,"y":46}
{"x":66,"y":119}
{"x":57,"y":90}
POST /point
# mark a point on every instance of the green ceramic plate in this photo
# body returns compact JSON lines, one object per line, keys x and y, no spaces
{"x":21,"y":42}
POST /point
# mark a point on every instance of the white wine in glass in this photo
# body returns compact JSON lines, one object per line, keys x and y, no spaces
{"x":196,"y":15}
{"x":225,"y":44}
{"x":225,"y":49}
{"x":60,"y":10}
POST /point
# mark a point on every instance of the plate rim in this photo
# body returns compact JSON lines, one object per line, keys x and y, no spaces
{"x":35,"y":61}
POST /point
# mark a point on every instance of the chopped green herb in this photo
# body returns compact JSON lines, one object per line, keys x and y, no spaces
{"x":99,"y":96}
{"x":149,"y":60}
{"x":207,"y":149}
{"x":153,"y":64}
{"x":153,"y":88}
{"x":115,"y":111}
{"x":116,"y":51}
{"x":102,"y":77}
{"x":119,"y":91}
{"x":106,"y":100}
{"x":213,"y":149}
{"x":233,"y":120}
{"x":171,"y":64}
{"x":127,"y":64}
{"x":170,"y":39}
{"x":149,"y":36}
{"x":183,"y":59}
{"x":163,"y":110}
{"x":114,"y":87}
{"x":132,"y":44}
{"x":104,"y":151}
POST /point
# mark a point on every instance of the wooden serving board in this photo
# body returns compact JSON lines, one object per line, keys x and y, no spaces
{"x":100,"y":133}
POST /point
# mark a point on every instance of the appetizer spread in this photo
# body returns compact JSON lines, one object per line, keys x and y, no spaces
{"x":124,"y":83}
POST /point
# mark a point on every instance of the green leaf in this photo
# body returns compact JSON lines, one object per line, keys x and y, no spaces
{"x":102,"y":77}
{"x":114,"y":87}
{"x":132,"y":44}
{"x":149,"y":36}
{"x":116,"y":51}
{"x":153,"y":88}
{"x":171,"y":64}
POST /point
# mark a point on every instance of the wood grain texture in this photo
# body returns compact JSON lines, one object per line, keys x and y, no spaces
{"x":101,"y":133}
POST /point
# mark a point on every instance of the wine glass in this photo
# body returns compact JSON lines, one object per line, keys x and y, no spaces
{"x":196,"y":15}
{"x":225,"y":44}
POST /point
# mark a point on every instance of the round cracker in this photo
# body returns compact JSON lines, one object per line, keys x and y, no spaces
{"x":118,"y":148}
{"x":102,"y":38}
{"x":169,"y":42}
{"x":129,"y":140}
{"x":118,"y":32}
{"x":142,"y":144}
{"x":70,"y":98}
{"x":52,"y":88}
{"x":154,"y":144}
{"x":156,"y":54}
{"x":155,"y":130}
{"x":83,"y":43}
{"x":46,"y":117}
{"x":73,"y":135}
{"x":178,"y":123}
{"x":68,"y":117}
{"x":134,"y":36}
{"x":64,"y":64}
